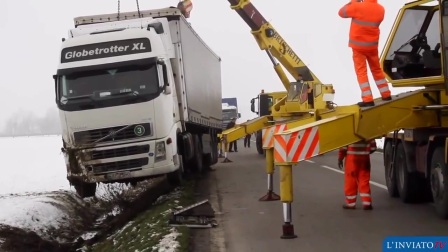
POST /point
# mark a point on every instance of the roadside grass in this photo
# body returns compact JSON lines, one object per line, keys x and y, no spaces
{"x":150,"y":230}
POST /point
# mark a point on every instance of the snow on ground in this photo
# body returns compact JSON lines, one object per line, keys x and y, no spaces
{"x":30,"y":167}
{"x":35,"y":194}
{"x":169,"y":242}
{"x":31,"y":212}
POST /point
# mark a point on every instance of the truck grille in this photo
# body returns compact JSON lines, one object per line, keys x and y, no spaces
{"x":132,"y":131}
{"x":99,"y":169}
{"x":120,"y":152}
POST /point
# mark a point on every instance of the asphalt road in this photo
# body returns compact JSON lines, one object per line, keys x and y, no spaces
{"x":319,"y":220}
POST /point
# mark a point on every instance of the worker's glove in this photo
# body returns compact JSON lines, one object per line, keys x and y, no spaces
{"x":340,"y":164}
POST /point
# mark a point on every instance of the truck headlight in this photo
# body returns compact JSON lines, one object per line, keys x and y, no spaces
{"x":160,"y":151}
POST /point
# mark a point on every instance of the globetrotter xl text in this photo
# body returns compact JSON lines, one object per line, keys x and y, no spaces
{"x":105,"y":49}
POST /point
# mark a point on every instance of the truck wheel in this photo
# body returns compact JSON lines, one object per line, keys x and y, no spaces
{"x":211,"y":158}
{"x":439,"y":182}
{"x":85,"y":190}
{"x":197,"y":163}
{"x":407,"y":182}
{"x":391,"y":179}
{"x":176,"y":177}
{"x":259,"y":142}
{"x":214,"y":153}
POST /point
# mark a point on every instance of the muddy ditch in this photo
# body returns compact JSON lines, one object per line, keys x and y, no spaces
{"x":85,"y":221}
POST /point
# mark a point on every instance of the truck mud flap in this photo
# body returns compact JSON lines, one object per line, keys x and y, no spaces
{"x":187,"y":145}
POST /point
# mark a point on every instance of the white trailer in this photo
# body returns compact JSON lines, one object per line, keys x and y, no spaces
{"x":137,"y":98}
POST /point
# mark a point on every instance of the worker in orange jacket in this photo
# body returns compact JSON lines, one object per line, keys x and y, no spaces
{"x":357,"y":172}
{"x":366,"y":16}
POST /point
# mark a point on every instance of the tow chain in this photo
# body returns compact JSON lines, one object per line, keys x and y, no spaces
{"x":138,"y":9}
{"x":118,"y":10}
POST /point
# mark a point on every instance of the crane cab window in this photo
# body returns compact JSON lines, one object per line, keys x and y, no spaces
{"x":414,"y":50}
{"x":298,"y":92}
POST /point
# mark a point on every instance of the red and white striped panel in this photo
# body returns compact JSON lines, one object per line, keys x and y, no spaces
{"x":268,"y":135}
{"x":297,"y":146}
{"x":280,"y":149}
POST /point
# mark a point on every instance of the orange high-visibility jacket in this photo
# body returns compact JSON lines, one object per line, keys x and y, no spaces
{"x":366,"y":18}
{"x":358,"y":153}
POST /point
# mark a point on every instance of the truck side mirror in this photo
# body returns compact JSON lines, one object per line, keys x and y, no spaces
{"x":55,"y":78}
{"x":252,"y":105}
{"x":239,"y":115}
{"x":158,"y":27}
{"x":166,"y":84}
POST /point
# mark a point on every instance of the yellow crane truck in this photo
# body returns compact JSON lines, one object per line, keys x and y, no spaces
{"x":290,"y":105}
{"x":415,"y":123}
{"x":416,"y":153}
{"x":264,"y":102}
{"x":415,"y":55}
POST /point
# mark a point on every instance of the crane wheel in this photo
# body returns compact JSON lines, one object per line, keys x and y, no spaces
{"x":407,"y":182}
{"x":439,"y":182}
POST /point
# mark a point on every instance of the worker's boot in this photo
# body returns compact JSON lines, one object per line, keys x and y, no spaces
{"x":386,"y":98}
{"x":366,"y":104}
{"x":345,"y":206}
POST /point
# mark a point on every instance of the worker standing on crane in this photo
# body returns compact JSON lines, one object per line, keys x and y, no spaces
{"x":357,"y":173}
{"x":366,"y":16}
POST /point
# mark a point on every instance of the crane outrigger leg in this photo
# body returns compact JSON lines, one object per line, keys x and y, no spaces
{"x":270,"y":195}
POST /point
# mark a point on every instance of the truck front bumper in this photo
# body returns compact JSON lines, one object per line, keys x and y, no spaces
{"x":123,"y":162}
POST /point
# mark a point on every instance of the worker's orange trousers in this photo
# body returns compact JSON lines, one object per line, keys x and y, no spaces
{"x":357,"y":179}
{"x":360,"y":59}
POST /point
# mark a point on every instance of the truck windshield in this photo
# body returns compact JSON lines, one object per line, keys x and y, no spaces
{"x":229,"y":114}
{"x":108,"y":87}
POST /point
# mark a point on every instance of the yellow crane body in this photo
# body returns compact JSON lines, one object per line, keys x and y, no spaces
{"x":415,"y":159}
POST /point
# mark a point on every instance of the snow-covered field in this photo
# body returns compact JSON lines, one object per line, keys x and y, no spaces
{"x":32,"y":164}
{"x":36,"y":196}
{"x":31,"y":167}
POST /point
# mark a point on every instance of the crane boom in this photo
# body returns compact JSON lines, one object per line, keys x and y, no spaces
{"x":270,"y":40}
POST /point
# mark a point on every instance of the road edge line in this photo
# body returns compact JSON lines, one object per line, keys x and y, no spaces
{"x":341,"y":172}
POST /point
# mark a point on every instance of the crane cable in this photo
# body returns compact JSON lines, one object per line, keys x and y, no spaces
{"x":138,"y":9}
{"x":118,"y":10}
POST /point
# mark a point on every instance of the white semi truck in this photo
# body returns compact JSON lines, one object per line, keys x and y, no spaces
{"x":138,"y":97}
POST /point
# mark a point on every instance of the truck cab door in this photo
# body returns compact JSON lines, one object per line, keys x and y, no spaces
{"x":444,"y":39}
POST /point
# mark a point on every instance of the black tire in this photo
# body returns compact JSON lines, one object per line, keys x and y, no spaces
{"x":85,"y":190}
{"x":214,"y":152}
{"x":259,"y":142}
{"x":439,"y":182}
{"x":197,"y":163}
{"x":176,"y":177}
{"x":407,"y":183}
{"x":391,"y":178}
{"x":212,"y":157}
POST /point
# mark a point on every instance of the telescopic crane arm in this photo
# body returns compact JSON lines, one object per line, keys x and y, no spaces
{"x":269,"y":40}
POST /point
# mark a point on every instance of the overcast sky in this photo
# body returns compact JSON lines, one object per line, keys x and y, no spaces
{"x":32,"y":32}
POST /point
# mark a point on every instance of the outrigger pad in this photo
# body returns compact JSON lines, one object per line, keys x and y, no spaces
{"x":198,"y":215}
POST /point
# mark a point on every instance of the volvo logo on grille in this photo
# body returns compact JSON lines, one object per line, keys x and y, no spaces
{"x":139,"y":130}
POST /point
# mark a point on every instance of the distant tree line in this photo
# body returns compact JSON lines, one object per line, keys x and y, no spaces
{"x":25,"y":123}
